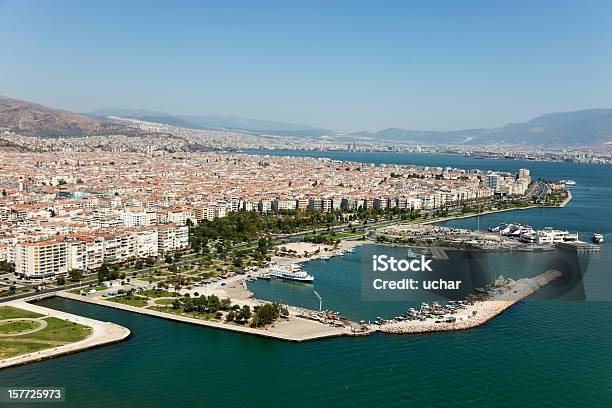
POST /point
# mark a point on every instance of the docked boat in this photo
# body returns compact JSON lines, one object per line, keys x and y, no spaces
{"x":569,"y":182}
{"x":297,"y":275}
{"x":411,"y":254}
{"x":598,"y":238}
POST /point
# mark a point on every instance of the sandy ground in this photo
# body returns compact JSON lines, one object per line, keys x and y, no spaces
{"x":103,"y":333}
{"x":478,"y":313}
{"x":326,"y":251}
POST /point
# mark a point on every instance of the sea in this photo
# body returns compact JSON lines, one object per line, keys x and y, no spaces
{"x":543,"y":352}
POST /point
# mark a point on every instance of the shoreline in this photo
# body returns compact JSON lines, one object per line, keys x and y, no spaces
{"x":293,"y":329}
{"x":478,"y":313}
{"x":103,"y":333}
{"x":459,"y":217}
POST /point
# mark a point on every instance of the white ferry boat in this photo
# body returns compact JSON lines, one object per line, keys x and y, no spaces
{"x":282,"y":272}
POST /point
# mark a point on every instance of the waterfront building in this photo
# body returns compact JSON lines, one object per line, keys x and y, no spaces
{"x":41,"y":259}
{"x":493,"y":181}
{"x":172,"y":238}
{"x":279,"y":204}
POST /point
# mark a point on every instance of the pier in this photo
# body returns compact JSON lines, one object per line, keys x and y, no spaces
{"x":294,"y":329}
{"x":579,"y":247}
{"x":475,"y":313}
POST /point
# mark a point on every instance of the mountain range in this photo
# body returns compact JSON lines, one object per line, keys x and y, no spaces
{"x":217,"y":121}
{"x":576,"y":128}
{"x":32,"y":119}
{"x":590,"y":127}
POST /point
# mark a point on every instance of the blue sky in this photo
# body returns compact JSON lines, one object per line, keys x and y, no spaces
{"x":342,"y":65}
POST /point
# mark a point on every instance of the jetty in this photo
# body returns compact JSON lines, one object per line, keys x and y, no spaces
{"x":295,"y":328}
{"x":474,"y":313}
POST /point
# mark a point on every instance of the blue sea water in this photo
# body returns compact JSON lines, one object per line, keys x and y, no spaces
{"x":540,"y":353}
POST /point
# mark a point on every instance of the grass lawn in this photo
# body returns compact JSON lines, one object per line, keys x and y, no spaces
{"x":181,"y":312}
{"x":57,"y":333}
{"x":62,"y":331}
{"x":137,"y":301}
{"x":18,"y":326}
{"x":164,"y":301}
{"x":9,"y":312}
{"x":155,"y":293}
{"x":6,"y":293}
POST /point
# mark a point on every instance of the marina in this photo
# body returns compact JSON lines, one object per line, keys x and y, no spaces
{"x":555,"y":335}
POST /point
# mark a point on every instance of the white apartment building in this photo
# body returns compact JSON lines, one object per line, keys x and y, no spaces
{"x":145,"y":243}
{"x":172,"y":238}
{"x":493,"y":181}
{"x":133,"y":219}
{"x":3,"y":252}
{"x":42,"y":259}
{"x":180,"y":217}
{"x":278,"y":205}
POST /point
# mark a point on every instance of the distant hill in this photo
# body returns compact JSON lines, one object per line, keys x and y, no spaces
{"x":32,"y":119}
{"x":576,"y":128}
{"x":588,"y":127}
{"x":217,"y":121}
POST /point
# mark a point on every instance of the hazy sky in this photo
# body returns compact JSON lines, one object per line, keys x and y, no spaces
{"x":343,"y":65}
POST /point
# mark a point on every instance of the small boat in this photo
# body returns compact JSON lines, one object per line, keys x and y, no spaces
{"x":411,"y":254}
{"x":598,"y":238}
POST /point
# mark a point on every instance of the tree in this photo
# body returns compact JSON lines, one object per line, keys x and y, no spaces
{"x":266,"y":314}
{"x":60,"y":280}
{"x":75,"y":274}
{"x":6,"y":266}
{"x":245,"y":313}
{"x":230,"y":316}
{"x":103,"y":272}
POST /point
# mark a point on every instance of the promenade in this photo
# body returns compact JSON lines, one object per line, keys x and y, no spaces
{"x":293,"y":329}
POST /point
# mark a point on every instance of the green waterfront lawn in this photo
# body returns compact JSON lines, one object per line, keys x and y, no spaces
{"x":9,"y":312}
{"x":164,"y":301}
{"x":57,"y":333}
{"x":156,"y":293}
{"x":17,"y":327}
{"x":137,"y":301}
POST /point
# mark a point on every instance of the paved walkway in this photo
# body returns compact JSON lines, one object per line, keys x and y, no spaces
{"x":295,"y":329}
